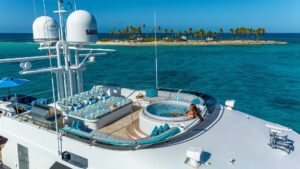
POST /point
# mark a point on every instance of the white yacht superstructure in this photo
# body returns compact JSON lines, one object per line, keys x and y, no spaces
{"x":114,"y":127}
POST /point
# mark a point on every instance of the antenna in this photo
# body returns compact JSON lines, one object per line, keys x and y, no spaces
{"x":155,"y":53}
{"x":46,"y":33}
{"x":52,"y":85}
{"x":60,"y":11}
{"x":34,"y":8}
{"x":75,"y":5}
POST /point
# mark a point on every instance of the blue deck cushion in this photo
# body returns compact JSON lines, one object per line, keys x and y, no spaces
{"x":151,"y":92}
{"x":155,"y":131}
{"x":196,"y":101}
{"x":161,"y":129}
{"x":166,"y":127}
{"x":27,"y":100}
{"x":74,"y":123}
{"x":41,"y":101}
{"x":114,"y":140}
{"x":79,"y":125}
{"x":76,"y":132}
{"x":82,"y":127}
{"x":161,"y":137}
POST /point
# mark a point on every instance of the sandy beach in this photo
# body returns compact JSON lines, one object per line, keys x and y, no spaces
{"x":193,"y":43}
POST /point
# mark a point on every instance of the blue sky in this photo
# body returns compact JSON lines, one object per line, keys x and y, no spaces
{"x":274,"y":15}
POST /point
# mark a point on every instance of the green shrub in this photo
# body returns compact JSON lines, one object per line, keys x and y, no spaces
{"x":106,"y":40}
{"x":149,"y":40}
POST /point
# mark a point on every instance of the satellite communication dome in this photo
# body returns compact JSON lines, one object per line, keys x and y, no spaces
{"x":81,"y":27}
{"x":45,"y":29}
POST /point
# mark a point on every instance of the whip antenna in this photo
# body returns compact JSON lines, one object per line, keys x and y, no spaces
{"x":52,"y":83}
{"x":34,"y":8}
{"x":155,"y":53}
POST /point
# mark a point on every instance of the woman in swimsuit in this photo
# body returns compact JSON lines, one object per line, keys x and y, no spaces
{"x":193,"y":113}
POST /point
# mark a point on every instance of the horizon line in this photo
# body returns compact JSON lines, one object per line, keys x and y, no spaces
{"x":151,"y":32}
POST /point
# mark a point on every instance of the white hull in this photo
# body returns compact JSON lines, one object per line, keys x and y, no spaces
{"x":228,"y":135}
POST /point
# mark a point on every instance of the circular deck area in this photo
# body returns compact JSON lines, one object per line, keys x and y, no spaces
{"x":159,"y":113}
{"x":162,"y":110}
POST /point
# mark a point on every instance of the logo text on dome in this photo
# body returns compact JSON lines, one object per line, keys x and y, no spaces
{"x":91,"y":31}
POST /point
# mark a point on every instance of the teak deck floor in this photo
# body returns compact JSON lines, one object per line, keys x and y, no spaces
{"x":119,"y":128}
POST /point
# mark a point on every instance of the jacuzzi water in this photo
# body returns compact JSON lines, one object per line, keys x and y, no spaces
{"x":164,"y":109}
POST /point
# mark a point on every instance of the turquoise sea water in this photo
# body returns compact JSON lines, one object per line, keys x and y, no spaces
{"x":264,"y":80}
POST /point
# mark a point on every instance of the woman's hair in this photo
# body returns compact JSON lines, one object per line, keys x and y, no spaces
{"x":194,"y":108}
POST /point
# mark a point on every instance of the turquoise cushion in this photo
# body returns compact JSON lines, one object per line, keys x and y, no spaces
{"x":155,"y":131}
{"x":76,"y":132}
{"x":196,"y":101}
{"x":79,"y":125}
{"x":74,"y":123}
{"x":161,"y":129}
{"x":166,"y":127}
{"x":151,"y":93}
{"x":152,"y":140}
{"x":41,"y":101}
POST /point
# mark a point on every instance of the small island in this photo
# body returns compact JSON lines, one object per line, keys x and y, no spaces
{"x":140,"y":36}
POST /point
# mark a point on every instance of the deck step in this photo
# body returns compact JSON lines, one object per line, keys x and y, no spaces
{"x":134,"y":132}
{"x":137,"y":130}
{"x":131,"y":133}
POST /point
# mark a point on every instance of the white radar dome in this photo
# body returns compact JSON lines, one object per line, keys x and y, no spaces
{"x":45,"y":29}
{"x":81,"y":27}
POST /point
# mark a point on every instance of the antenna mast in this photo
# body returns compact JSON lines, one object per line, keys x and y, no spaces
{"x":75,"y":5}
{"x":46,"y":33}
{"x":155,"y":49}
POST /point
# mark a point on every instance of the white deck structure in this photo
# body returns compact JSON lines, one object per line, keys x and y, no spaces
{"x":232,"y":135}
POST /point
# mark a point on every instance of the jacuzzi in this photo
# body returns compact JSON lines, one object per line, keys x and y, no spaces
{"x":162,"y":110}
{"x":159,"y":113}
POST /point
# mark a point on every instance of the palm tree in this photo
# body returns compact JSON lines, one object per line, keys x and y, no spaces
{"x":144,"y":28}
{"x":259,"y":32}
{"x":221,"y":33}
{"x":215,"y":35}
{"x":159,"y":29}
{"x":237,"y":31}
{"x":252,"y":33}
{"x":132,"y":32}
{"x":179,"y":34}
{"x":190,"y":31}
{"x":126,"y":32}
{"x":166,"y":31}
{"x":232,"y":32}
{"x":263,"y":31}
{"x":196,"y":34}
{"x":208,"y":34}
{"x":201,"y":33}
{"x":171,"y":31}
{"x":139,"y":31}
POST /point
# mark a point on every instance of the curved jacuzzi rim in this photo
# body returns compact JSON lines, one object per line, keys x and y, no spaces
{"x":167,"y":119}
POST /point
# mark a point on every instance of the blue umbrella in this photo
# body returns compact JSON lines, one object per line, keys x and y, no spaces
{"x":9,"y":82}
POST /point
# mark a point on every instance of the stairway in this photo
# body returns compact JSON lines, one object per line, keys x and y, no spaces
{"x":134,"y":132}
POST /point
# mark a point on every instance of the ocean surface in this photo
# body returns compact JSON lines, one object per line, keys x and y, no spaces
{"x":264,"y":80}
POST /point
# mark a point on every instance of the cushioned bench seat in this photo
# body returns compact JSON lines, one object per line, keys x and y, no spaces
{"x":114,"y":140}
{"x":155,"y":139}
{"x":79,"y":133}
